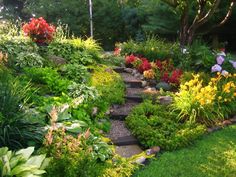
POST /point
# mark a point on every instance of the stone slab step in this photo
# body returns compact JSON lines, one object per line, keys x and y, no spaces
{"x":133,"y":84}
{"x":119,"y":112}
{"x":125,"y":140}
{"x":118,"y":116}
{"x":128,"y":151}
{"x":119,"y":69}
{"x":137,"y":99}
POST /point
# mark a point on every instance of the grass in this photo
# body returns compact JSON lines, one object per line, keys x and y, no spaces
{"x":212,"y":156}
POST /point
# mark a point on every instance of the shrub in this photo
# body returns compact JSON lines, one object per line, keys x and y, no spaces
{"x":39,"y":30}
{"x":156,"y":125}
{"x":74,"y":157}
{"x":109,"y":84}
{"x":16,"y":45}
{"x":29,"y":60}
{"x":153,"y":48}
{"x":77,"y":73}
{"x":16,"y":131}
{"x":74,"y":49}
{"x":49,"y":77}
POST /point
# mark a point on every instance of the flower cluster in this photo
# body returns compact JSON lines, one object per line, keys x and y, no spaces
{"x":167,"y":73}
{"x":39,"y":30}
{"x":159,"y":70}
{"x":117,"y":51}
{"x":226,"y":86}
{"x":220,"y":59}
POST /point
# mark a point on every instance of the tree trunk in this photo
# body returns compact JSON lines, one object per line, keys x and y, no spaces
{"x":183,"y":35}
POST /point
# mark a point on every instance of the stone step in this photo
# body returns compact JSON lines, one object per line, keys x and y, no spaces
{"x":128,"y":151}
{"x":125,"y":140}
{"x":119,"y":69}
{"x":133,"y":84}
{"x":137,"y":99}
{"x":119,"y":112}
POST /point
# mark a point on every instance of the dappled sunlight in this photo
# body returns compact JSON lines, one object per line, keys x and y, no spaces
{"x":221,"y":158}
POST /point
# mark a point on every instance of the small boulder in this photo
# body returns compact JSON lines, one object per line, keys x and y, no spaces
{"x":140,"y":160}
{"x":163,"y":85}
{"x":165,"y":100}
{"x":153,"y":151}
{"x":57,"y":60}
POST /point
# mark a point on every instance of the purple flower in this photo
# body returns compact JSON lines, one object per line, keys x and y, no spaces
{"x":233,"y":63}
{"x":224,"y":73}
{"x":220,"y":60}
{"x":216,"y":68}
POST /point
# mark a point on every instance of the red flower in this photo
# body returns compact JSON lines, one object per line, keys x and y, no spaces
{"x":175,"y":76}
{"x":165,"y":77}
{"x":117,"y":51}
{"x":159,"y":64}
{"x":39,"y":30}
{"x":130,"y":59}
{"x":144,"y":66}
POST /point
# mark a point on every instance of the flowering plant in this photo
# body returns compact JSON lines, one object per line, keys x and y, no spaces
{"x":206,"y":103}
{"x":39,"y":30}
{"x":167,"y":73}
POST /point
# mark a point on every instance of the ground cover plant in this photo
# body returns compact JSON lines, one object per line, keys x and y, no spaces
{"x":154,"y":125}
{"x":213,"y":155}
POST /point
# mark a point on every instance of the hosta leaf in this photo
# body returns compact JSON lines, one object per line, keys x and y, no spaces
{"x":26,"y":152}
{"x":21,"y":169}
{"x":36,"y":160}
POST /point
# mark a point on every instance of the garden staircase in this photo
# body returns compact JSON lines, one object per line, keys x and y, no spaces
{"x":126,"y":144}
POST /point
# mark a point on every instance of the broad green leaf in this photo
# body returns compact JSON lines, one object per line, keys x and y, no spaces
{"x":26,"y":152}
{"x":36,"y":160}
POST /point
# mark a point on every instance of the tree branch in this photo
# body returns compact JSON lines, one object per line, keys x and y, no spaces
{"x":227,"y":16}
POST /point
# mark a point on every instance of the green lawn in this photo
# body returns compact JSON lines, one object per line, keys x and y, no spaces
{"x":212,"y":156}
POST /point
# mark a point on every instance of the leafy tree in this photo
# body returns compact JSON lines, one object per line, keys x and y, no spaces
{"x":194,"y":14}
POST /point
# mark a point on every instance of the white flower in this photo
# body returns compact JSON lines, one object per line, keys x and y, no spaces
{"x":224,"y":73}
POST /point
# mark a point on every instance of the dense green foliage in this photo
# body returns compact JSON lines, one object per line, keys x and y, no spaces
{"x":16,"y":128}
{"x":214,"y":155}
{"x":156,"y":125}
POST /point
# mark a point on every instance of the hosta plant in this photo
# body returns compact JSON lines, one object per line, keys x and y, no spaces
{"x":22,"y":163}
{"x":29,"y":60}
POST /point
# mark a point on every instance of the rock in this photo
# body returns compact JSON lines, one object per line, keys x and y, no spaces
{"x":140,"y":160}
{"x":153,"y":151}
{"x":163,"y":85}
{"x":57,"y":60}
{"x":141,"y":77}
{"x":134,"y":72}
{"x":226,"y":122}
{"x":128,"y":70}
{"x":233,"y":120}
{"x":165,"y":100}
{"x":94,"y":111}
{"x":109,"y":70}
{"x":144,"y":83}
{"x":137,"y":75}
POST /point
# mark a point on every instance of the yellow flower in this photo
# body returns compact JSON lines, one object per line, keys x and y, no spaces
{"x":149,"y":74}
{"x":220,"y":98}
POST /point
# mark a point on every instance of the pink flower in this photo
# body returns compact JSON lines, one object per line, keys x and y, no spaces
{"x":216,"y":68}
{"x":220,"y":60}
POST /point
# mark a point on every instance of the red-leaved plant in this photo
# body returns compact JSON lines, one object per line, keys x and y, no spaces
{"x":39,"y":30}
